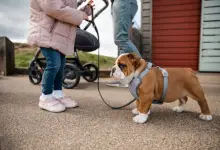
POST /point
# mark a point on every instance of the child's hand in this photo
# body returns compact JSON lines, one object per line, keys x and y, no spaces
{"x":91,"y":3}
{"x":84,"y":4}
{"x":85,"y":16}
{"x":87,"y":6}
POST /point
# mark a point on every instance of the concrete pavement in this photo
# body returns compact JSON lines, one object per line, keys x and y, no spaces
{"x":23,"y":126}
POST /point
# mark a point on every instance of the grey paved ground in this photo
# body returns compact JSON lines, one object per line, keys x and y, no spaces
{"x":95,"y":126}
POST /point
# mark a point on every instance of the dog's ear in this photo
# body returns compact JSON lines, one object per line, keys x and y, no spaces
{"x":135,"y":59}
{"x":138,"y":63}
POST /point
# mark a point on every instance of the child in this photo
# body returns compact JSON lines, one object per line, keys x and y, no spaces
{"x":53,"y":28}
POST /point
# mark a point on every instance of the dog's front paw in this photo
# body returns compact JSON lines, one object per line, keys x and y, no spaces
{"x":205,"y":117}
{"x":178,"y":109}
{"x":135,"y":111}
{"x":141,"y":118}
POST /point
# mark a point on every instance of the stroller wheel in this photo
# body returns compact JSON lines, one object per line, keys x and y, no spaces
{"x":71,"y":76}
{"x":35,"y":77}
{"x":90,"y":72}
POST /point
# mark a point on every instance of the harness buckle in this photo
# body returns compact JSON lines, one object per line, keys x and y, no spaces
{"x":164,"y":72}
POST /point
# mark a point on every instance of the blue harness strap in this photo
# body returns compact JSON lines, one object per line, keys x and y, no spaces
{"x":146,"y":70}
{"x":135,"y":83}
{"x":165,"y":86}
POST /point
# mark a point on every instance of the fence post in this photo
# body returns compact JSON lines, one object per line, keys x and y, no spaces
{"x":7,"y":59}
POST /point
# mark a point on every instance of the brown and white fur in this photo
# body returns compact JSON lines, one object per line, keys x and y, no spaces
{"x":182,"y":83}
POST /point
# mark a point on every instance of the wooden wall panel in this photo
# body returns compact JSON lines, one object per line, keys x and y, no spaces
{"x":210,"y":37}
{"x":176,"y":33}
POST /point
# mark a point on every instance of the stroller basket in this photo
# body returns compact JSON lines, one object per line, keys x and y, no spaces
{"x":86,"y":41}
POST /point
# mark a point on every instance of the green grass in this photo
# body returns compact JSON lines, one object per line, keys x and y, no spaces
{"x":23,"y":58}
{"x":24,"y":54}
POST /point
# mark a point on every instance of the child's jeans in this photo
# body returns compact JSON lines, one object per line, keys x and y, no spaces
{"x":53,"y":74}
{"x":123,"y":12}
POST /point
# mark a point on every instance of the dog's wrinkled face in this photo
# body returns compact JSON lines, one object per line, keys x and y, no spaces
{"x":124,"y":67}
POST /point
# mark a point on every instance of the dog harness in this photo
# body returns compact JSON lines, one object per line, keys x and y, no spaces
{"x":136,"y":82}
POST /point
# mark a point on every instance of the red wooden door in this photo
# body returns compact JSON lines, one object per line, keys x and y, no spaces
{"x":176,"y":33}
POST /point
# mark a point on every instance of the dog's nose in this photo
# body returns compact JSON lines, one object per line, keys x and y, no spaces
{"x":113,"y":70}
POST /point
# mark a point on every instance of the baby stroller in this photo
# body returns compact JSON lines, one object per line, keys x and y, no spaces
{"x":74,"y":69}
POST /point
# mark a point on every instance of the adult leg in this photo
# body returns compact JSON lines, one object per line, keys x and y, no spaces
{"x":123,"y":13}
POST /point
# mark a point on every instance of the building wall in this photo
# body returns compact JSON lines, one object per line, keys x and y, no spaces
{"x":182,"y":33}
{"x":146,"y":23}
{"x":176,"y":33}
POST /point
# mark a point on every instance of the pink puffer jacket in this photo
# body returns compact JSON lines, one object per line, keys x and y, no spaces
{"x":53,"y":24}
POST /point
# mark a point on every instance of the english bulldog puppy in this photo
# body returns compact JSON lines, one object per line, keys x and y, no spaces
{"x":182,"y":83}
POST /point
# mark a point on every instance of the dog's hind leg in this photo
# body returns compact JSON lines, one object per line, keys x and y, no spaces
{"x":195,"y":91}
{"x":182,"y":102}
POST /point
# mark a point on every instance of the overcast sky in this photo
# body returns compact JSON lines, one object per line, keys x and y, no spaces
{"x":14,"y":16}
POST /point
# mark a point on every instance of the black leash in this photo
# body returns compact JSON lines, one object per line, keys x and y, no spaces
{"x":98,"y":83}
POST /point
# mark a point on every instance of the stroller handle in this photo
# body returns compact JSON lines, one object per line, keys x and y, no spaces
{"x":97,"y":14}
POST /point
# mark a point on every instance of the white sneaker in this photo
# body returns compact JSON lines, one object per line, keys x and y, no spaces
{"x":52,"y":106}
{"x":68,"y":102}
